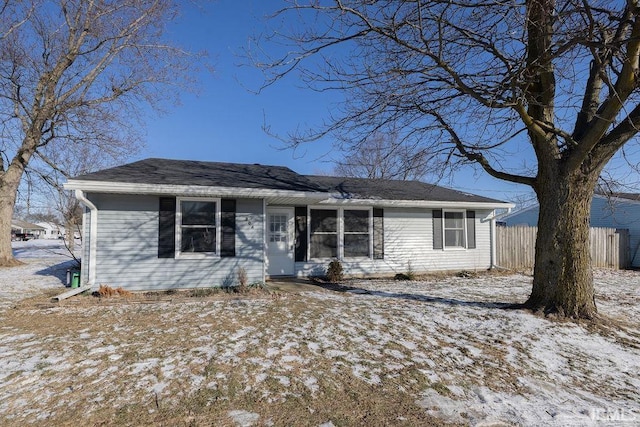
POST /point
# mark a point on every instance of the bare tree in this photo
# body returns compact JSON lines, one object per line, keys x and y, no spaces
{"x":554,"y":83}
{"x":54,"y":164}
{"x":75,"y":73}
{"x":385,"y":156}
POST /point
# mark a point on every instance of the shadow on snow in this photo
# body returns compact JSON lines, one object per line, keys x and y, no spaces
{"x":417,"y":297}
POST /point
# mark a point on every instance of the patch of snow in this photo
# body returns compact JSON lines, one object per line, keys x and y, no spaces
{"x":311,"y":383}
{"x":470,"y":361}
{"x":244,"y":418}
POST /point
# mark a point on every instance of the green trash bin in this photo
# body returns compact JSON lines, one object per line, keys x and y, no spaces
{"x":75,"y":279}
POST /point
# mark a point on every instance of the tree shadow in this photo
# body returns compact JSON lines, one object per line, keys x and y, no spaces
{"x":59,"y":270}
{"x":335,"y":287}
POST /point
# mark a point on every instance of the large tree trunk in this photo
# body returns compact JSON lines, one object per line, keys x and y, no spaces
{"x":562,"y":278}
{"x":9,"y":182}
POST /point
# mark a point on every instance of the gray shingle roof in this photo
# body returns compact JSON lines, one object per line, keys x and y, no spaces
{"x":236,"y":175}
{"x":382,"y":189}
{"x":191,"y":172}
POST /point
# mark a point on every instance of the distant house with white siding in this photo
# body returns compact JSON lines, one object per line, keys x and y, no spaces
{"x":618,"y":210}
{"x":51,"y":230}
{"x":25,"y":229}
{"x":164,"y":224}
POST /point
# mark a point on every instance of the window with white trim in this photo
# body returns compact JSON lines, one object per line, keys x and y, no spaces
{"x":340,"y":233}
{"x":454,"y":229}
{"x":198,"y":226}
{"x":356,"y":233}
{"x":323,"y":233}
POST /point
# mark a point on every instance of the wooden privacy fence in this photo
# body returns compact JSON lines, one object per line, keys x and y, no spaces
{"x":516,"y":247}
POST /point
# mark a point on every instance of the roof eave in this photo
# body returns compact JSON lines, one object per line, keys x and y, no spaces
{"x":437,"y":204}
{"x":272,"y":194}
{"x":188,"y":190}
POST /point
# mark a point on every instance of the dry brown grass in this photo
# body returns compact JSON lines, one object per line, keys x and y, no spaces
{"x":318,"y":388}
{"x":399,"y":354}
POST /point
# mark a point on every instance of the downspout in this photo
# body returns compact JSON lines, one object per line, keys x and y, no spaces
{"x":494,"y":252}
{"x":264,"y":241}
{"x":93,"y":234}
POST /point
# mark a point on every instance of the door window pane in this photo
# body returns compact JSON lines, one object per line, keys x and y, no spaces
{"x":278,"y":228}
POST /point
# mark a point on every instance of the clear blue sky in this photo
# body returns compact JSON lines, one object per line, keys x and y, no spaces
{"x":225,"y":121}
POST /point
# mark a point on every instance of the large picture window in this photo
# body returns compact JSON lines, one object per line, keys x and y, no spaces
{"x":338,"y":233}
{"x":198,"y":226}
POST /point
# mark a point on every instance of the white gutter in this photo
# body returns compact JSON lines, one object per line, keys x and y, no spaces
{"x":186,"y":190}
{"x":430,"y":204}
{"x":494,"y":253}
{"x":93,"y":234}
{"x":264,"y":241}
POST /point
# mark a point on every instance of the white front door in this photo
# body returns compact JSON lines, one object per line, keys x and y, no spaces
{"x":280,"y":241}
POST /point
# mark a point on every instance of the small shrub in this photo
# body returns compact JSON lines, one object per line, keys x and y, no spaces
{"x":411,"y":274}
{"x":335,"y":272}
{"x":242,"y":276}
{"x":123,"y":292}
{"x":401,"y":276}
{"x":105,"y":291}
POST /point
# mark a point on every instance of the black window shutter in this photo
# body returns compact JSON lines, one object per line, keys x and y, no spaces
{"x":301,"y":233}
{"x":437,"y":229}
{"x":228,"y":223}
{"x":167,"y":227}
{"x":471,"y":229}
{"x":378,"y":233}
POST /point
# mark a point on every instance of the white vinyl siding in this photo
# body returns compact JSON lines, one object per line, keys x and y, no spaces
{"x":408,"y":240}
{"x":128,"y":248}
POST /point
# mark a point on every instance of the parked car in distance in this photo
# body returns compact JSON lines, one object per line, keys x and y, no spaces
{"x":23,"y":236}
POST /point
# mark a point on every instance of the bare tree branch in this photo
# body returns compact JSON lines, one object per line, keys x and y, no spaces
{"x":73,"y":76}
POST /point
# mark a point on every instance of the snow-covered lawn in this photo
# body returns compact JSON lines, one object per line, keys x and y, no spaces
{"x":427,"y":352}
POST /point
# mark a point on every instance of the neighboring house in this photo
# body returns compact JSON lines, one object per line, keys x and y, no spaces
{"x":25,"y":230}
{"x":51,"y":230}
{"x":160,"y":224}
{"x":619,"y":210}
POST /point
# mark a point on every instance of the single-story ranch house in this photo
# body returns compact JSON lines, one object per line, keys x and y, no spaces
{"x":165,"y":224}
